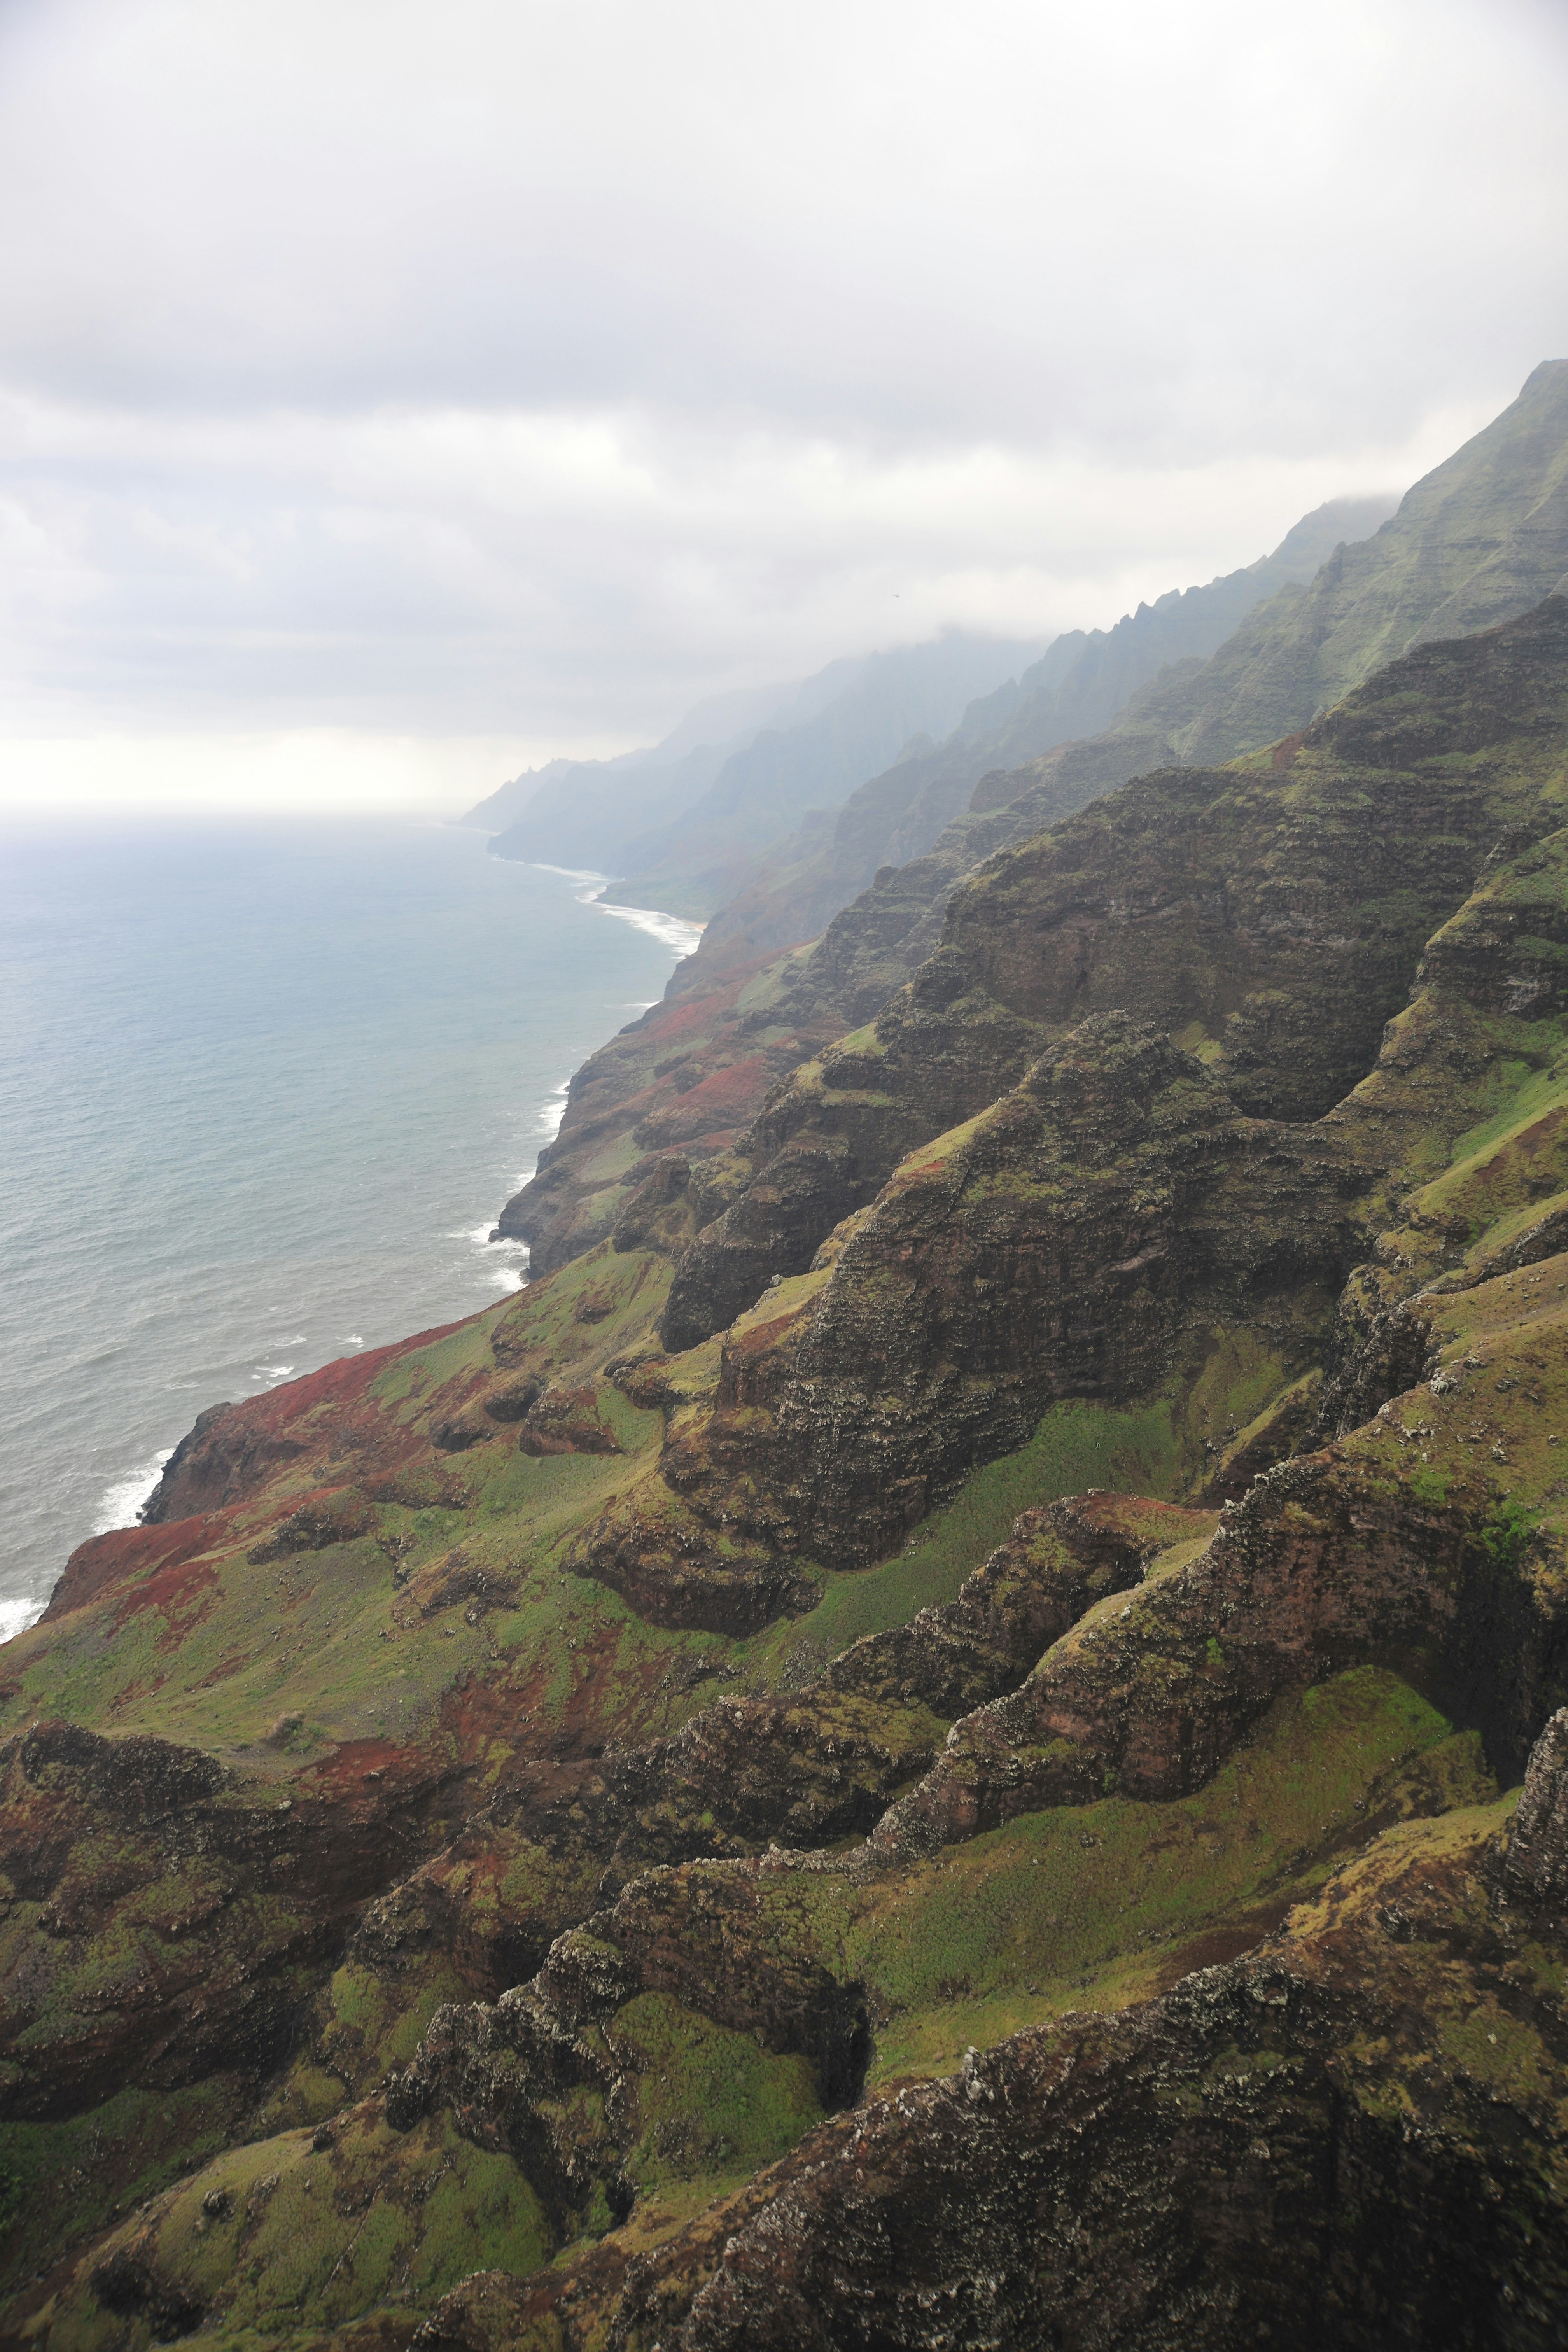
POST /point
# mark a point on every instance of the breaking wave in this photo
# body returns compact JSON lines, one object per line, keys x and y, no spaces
{"x":121,"y":1505}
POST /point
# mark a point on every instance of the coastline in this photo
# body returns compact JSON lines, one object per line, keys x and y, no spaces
{"x":171,"y":1304}
{"x":674,"y":931}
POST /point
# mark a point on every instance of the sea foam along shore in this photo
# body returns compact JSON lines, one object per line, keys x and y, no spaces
{"x":119,"y":1506}
{"x":674,"y":931}
{"x":121,"y":1503}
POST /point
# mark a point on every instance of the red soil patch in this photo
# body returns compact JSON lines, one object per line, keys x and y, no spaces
{"x":345,"y":1381}
{"x":747,"y":1369}
{"x":723,"y":1098}
{"x":330,"y":1410}
{"x":686,"y":1015}
{"x":182,"y":1588}
{"x":104,"y":1560}
{"x":229,"y":1666}
{"x":346,"y":1771}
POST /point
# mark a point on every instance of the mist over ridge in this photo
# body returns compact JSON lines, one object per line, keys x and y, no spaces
{"x":972,"y":1670}
{"x":784,"y":1030}
{"x":418,"y":389}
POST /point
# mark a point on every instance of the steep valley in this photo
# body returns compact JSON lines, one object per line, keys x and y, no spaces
{"x":953,"y":1730}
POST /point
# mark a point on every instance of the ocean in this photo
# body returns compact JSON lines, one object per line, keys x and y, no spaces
{"x":264,"y":1087}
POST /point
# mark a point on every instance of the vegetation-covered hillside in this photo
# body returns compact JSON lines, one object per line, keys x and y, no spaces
{"x":953,"y":1731}
{"x":1487,"y":529}
{"x":1482,"y":538}
{"x":1079,"y":685}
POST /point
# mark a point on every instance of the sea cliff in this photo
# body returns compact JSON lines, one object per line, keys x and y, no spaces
{"x":953,"y":1730}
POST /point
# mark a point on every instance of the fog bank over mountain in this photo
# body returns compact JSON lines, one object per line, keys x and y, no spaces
{"x":367,"y":378}
{"x":684,"y":828}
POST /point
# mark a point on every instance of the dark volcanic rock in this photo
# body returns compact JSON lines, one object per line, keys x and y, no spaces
{"x":687,"y":1077}
{"x":1071,"y":1242}
{"x":1277,"y":913}
{"x":1194,"y":2175}
{"x":160,"y":1848}
{"x":1301,"y":2148}
{"x":1538,"y":1846}
{"x":1325,"y":1563}
{"x":132,"y":2290}
{"x":1100,"y":1177}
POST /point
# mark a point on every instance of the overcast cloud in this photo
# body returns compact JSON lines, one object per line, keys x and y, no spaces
{"x":392,"y":395}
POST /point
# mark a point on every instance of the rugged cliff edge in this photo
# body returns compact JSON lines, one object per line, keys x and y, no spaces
{"x":954,"y":1731}
{"x":1481,"y":538}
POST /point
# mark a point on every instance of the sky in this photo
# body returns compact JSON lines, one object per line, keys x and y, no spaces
{"x":396,"y":397}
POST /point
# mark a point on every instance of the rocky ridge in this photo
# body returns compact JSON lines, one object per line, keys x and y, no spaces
{"x":972,"y":1800}
{"x":1482,"y":535}
{"x":1075,"y":690}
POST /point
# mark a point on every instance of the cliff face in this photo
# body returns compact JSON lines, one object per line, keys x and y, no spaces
{"x":1478,"y":539}
{"x":1270,"y":918}
{"x":1192,"y":679}
{"x":1482,"y":538}
{"x":967,"y":1792}
{"x":1077,"y":689}
{"x":758,"y":1008}
{"x":697,"y":862}
{"x":673,"y":1091}
{"x":1338,"y":2138}
{"x":1200,"y":677}
{"x":682,"y":833}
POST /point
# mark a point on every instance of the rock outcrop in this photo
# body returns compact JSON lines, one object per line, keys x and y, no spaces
{"x":912,"y":1747}
{"x":1332,"y":2140}
{"x":1267,"y":917}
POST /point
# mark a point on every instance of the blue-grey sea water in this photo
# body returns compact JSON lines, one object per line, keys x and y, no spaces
{"x":264,"y":1087}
